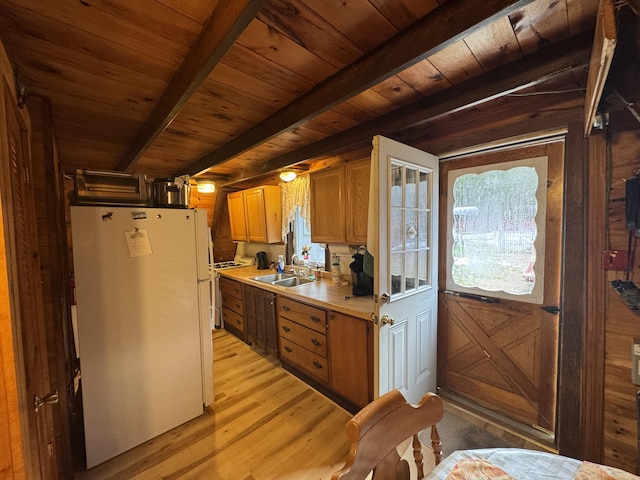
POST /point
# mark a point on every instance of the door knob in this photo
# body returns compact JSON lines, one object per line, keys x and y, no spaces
{"x":385,"y":298}
{"x":386,"y":320}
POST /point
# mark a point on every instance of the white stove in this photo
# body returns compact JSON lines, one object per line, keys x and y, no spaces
{"x":238,"y":261}
{"x":229,"y":264}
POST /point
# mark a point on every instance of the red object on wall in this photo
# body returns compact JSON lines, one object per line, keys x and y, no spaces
{"x":615,"y":260}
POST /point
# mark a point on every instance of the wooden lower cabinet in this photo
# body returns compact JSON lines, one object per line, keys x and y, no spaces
{"x":349,"y":341}
{"x":333,"y":348}
{"x":301,"y":330}
{"x":260,"y":318}
{"x":232,"y":307}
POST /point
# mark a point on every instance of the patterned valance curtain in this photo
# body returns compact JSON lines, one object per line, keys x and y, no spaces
{"x":294,"y":194}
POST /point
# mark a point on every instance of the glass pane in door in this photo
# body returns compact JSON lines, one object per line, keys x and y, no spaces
{"x":409,"y":233}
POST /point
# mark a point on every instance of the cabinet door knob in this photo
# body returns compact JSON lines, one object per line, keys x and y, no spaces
{"x":288,"y":349}
{"x":286,"y":329}
{"x":285,"y":308}
{"x":316,"y":342}
{"x":318,"y":365}
{"x":315,"y":318}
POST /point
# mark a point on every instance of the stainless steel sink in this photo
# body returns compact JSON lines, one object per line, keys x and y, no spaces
{"x":273,"y":277}
{"x":292,"y":282}
{"x":282,"y":279}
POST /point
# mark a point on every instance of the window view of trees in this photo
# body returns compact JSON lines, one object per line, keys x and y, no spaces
{"x":494,"y":229}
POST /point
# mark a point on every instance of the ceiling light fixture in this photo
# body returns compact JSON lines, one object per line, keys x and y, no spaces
{"x":206,"y":187}
{"x":287,"y":175}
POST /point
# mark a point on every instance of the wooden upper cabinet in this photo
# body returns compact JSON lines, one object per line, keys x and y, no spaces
{"x":357,"y":188}
{"x":340,"y":203}
{"x":328,"y":204}
{"x":235,"y":201}
{"x":255,"y":215}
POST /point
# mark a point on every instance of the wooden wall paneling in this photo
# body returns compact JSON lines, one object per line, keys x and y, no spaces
{"x":206,"y":201}
{"x":594,"y":350}
{"x":48,"y":183}
{"x":30,"y":346}
{"x":17,"y":457}
{"x":570,"y":434}
{"x":622,"y":325}
{"x":11,"y":449}
{"x":223,"y":247}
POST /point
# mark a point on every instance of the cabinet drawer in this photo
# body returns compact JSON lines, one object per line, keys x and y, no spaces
{"x":310,"y":362}
{"x":232,"y":318}
{"x":311,"y":317}
{"x":305,"y":337}
{"x":230,"y":287}
{"x":232,"y":303}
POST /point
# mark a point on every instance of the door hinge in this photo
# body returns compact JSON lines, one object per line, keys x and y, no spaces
{"x":49,"y":399}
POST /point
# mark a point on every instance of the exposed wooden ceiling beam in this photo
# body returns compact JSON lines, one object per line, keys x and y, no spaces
{"x":525,"y":72}
{"x":604,"y":45}
{"x":224,"y":26}
{"x":435,"y":31}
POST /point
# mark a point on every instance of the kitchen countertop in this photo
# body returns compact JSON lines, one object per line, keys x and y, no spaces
{"x":321,"y":293}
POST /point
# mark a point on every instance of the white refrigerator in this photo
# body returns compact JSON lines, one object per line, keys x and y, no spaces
{"x":143,"y":308}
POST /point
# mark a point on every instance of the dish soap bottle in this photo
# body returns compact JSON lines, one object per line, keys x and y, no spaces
{"x":280,"y":264}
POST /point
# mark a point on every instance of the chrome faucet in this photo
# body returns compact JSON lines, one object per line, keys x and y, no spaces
{"x":306,"y":269}
{"x":294,"y":264}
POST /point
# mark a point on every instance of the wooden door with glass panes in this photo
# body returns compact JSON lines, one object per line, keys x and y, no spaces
{"x":501,"y":256}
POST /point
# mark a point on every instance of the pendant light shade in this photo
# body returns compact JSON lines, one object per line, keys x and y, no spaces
{"x":287,"y":175}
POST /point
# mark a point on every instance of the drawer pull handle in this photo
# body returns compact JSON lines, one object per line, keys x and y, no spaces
{"x":316,"y":342}
{"x":318,"y":365}
{"x":288,"y":349}
{"x":285,"y":308}
{"x":286,"y":329}
{"x":315,"y":318}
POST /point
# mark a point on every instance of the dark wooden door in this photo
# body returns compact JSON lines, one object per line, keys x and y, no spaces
{"x":23,"y":269}
{"x":504,"y":355}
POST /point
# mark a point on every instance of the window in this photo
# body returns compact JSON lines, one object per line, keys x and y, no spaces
{"x":496,"y":217}
{"x":302,"y":238}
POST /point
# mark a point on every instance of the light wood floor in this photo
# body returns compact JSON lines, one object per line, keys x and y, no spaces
{"x":265,"y":424}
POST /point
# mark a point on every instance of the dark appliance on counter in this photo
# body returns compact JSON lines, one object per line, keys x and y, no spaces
{"x":261,"y":261}
{"x":362,"y":283}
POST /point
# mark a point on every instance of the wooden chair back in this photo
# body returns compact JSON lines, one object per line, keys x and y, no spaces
{"x":376,"y":431}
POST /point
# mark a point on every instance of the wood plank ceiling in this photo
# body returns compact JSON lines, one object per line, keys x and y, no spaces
{"x":235,"y":90}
